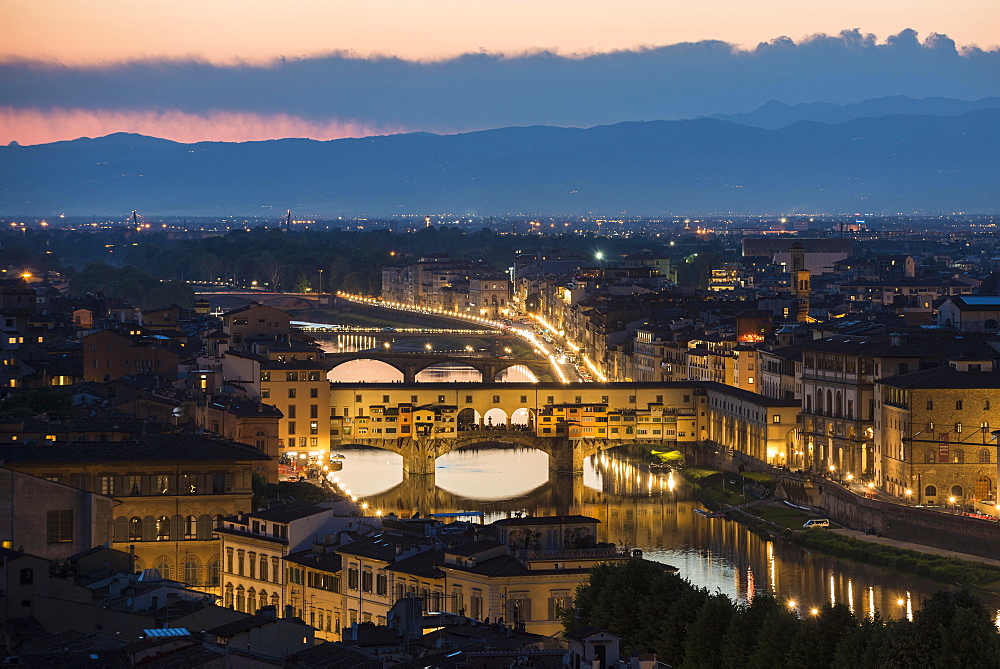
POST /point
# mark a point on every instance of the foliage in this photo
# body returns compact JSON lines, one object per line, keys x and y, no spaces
{"x":129,"y":284}
{"x":935,"y":567}
{"x":669,"y":457}
{"x":265,"y":493}
{"x":653,"y":610}
{"x":55,"y":402}
{"x":699,"y":473}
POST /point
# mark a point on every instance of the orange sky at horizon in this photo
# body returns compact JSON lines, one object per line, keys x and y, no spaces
{"x":34,"y":126}
{"x":255,"y":31}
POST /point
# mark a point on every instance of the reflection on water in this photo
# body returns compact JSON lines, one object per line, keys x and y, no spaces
{"x":639,"y":507}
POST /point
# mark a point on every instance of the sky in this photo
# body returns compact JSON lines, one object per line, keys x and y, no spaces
{"x":254,"y":69}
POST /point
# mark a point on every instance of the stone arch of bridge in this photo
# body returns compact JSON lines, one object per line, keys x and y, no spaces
{"x":408,"y":366}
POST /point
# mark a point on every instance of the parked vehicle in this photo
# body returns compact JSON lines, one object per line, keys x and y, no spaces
{"x":816,"y":522}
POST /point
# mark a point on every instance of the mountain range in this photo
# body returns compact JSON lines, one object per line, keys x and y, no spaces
{"x":776,"y":114}
{"x":885,"y":164}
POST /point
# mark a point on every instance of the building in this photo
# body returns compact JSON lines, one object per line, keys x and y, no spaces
{"x":112,"y":354}
{"x":173,"y":488}
{"x":838,"y":391}
{"x":248,"y":422}
{"x":934,"y":431}
{"x":50,"y":519}
{"x":973,"y":313}
{"x":255,"y":323}
{"x":253,"y":547}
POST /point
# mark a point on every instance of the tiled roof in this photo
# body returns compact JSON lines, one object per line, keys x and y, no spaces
{"x":423,"y":564}
{"x":333,"y":656}
{"x":944,"y":377}
{"x":146,"y":448}
{"x":242,"y":625}
{"x":329,"y":562}
{"x":474,"y":547}
{"x":286,"y":513}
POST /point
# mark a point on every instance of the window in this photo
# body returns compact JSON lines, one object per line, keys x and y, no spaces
{"x":265,"y":393}
{"x":519,"y":607}
{"x":930,"y":491}
{"x":352,"y":578}
{"x":162,"y":565}
{"x":958,"y":456}
{"x":313,"y":427}
{"x":191,"y":527}
{"x":291,"y":393}
{"x":496,"y":399}
{"x":291,"y":376}
{"x":291,"y":427}
{"x":366,"y":580}
{"x":381,"y":585}
{"x":263,"y":568}
{"x":559,"y":601}
{"x":958,"y":405}
{"x":135,"y":529}
{"x":291,"y":411}
{"x":984,"y":457}
{"x":313,"y":393}
{"x":314,"y":411}
{"x":162,"y":528}
{"x":958,"y":427}
{"x":163,"y":484}
{"x":106,"y":485}
{"x":776,"y":418}
{"x":27,"y":576}
{"x":191,"y":570}
{"x":59,"y":526}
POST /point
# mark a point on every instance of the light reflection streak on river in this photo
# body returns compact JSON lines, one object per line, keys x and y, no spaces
{"x":639,"y":507}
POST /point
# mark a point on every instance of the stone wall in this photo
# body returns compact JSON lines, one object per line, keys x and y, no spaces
{"x":923,"y":526}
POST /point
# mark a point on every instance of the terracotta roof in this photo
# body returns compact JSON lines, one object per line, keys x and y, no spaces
{"x":944,"y":377}
{"x":146,"y":448}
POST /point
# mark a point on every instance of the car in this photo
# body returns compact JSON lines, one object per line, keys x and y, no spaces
{"x":816,"y":522}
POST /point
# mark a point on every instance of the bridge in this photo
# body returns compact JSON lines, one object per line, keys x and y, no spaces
{"x":565,"y":455}
{"x":411,"y":364}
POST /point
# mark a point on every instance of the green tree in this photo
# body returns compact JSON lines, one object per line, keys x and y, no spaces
{"x":702,"y":647}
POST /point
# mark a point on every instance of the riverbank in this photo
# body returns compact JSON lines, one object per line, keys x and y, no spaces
{"x":780,"y":521}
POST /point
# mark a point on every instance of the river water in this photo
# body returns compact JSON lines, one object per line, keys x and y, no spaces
{"x":639,"y":507}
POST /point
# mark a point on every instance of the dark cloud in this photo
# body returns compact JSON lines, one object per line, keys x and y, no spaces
{"x":487,"y":90}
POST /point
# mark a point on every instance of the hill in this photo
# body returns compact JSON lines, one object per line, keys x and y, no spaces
{"x":898,"y":163}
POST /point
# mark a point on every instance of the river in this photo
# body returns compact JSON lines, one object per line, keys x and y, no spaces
{"x":649,"y":509}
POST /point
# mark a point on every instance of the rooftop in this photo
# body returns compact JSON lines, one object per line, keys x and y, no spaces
{"x":145,"y":448}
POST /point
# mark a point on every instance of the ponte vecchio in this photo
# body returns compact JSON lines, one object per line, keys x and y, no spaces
{"x":568,"y":421}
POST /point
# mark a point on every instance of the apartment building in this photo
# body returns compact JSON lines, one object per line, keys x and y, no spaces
{"x":934,"y":431}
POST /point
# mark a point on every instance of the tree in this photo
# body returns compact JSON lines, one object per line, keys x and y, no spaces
{"x":702,"y":648}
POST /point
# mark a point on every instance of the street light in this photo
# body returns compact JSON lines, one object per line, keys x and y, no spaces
{"x":909,"y":495}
